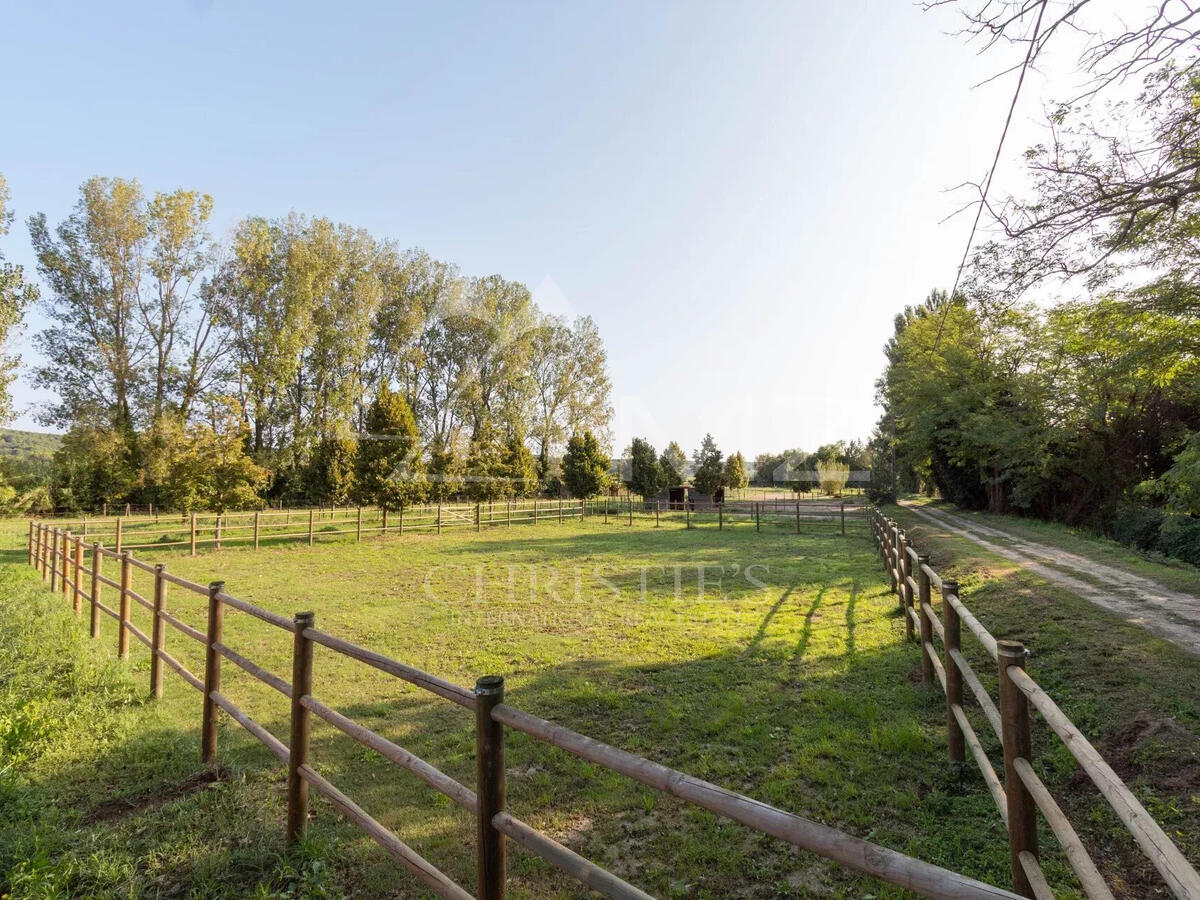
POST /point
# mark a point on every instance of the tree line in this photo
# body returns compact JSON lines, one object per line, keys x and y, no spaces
{"x":299,"y":360}
{"x":1085,"y":410}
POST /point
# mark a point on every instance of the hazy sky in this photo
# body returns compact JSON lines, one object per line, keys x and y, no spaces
{"x":741,"y":194}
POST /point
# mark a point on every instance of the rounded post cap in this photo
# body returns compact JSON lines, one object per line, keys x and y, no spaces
{"x":923,"y":558}
{"x":1010,"y":649}
{"x":160,"y":567}
{"x":304,"y":618}
{"x":216,"y":586}
{"x":949,"y":585}
{"x":490,"y":685}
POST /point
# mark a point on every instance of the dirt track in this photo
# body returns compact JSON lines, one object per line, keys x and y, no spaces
{"x":1142,"y":601}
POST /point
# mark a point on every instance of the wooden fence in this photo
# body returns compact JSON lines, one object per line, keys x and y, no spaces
{"x":758,"y":512}
{"x":196,"y":530}
{"x":61,"y":561}
{"x":1022,"y":793}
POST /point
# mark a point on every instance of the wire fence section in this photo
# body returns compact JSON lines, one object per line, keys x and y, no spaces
{"x":1021,"y":793}
{"x":84,"y":577}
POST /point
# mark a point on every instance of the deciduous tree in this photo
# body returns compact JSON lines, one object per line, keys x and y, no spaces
{"x":16,"y":296}
{"x":735,"y":477}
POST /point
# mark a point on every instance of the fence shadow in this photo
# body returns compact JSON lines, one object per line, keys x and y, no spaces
{"x":744,"y":721}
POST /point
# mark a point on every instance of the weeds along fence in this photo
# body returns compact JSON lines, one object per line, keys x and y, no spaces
{"x":196,"y":530}
{"x":1022,"y":793}
{"x":65,"y":565}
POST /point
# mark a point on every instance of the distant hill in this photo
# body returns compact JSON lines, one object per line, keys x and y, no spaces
{"x":27,"y":446}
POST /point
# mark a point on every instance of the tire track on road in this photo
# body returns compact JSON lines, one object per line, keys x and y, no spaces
{"x":1142,"y":601}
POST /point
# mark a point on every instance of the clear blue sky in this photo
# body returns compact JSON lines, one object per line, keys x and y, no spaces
{"x":741,"y":194}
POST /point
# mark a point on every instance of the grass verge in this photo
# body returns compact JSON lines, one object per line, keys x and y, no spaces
{"x":1134,"y":695}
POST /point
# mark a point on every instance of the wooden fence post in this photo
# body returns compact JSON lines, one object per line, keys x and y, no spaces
{"x":895,"y":553}
{"x":256,"y":529}
{"x":757,"y":516}
{"x":605,"y":510}
{"x":927,"y":675}
{"x":477,"y":519}
{"x":310,"y":526}
{"x":76,"y":574}
{"x":358,"y":526}
{"x":53,"y":560}
{"x":952,"y":642}
{"x":212,"y":673}
{"x":52,"y":557}
{"x":31,"y":542}
{"x":302,"y":677}
{"x":64,"y":586}
{"x":126,"y":509}
{"x":1014,"y":722}
{"x":97,"y":558}
{"x":657,"y":511}
{"x":123,"y":629}
{"x":192,"y":539}
{"x":687,"y":513}
{"x":720,"y":517}
{"x":117,"y":546}
{"x":85,"y":526}
{"x":383,"y":526}
{"x":797,"y":517}
{"x":903,"y":572}
{"x":843,"y":518}
{"x":489,"y":776}
{"x":157,"y":633}
{"x":439,"y":517}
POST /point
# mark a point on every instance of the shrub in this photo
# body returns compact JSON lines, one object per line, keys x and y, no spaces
{"x":1138,"y":526}
{"x":1179,"y":536}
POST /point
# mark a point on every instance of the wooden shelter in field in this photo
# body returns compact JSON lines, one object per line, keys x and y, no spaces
{"x":686,"y":496}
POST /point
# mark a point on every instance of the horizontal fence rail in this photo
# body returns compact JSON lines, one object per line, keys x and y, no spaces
{"x":1021,"y":793}
{"x":60,"y":558}
{"x":241,"y":529}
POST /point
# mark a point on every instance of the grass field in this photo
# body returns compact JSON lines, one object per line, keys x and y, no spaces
{"x":783,"y":675}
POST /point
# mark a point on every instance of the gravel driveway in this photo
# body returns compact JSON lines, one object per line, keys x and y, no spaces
{"x":1142,"y":601}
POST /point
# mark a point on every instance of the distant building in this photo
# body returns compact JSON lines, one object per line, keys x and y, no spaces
{"x":686,"y":496}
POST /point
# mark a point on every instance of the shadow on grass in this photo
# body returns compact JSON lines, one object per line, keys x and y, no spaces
{"x":855,"y":748}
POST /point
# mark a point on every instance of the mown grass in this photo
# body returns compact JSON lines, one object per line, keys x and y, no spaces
{"x":798,"y":692}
